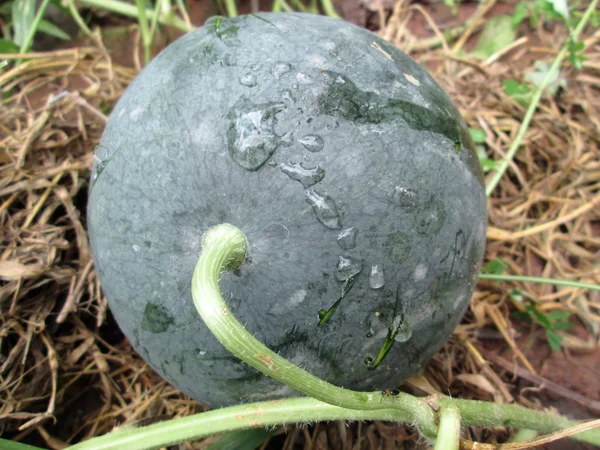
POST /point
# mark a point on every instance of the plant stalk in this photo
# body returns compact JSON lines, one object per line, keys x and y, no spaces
{"x":231,"y":8}
{"x":262,"y":414}
{"x":449,"y":432}
{"x":329,"y":9}
{"x":143,"y":21}
{"x":527,"y":279}
{"x":489,"y":414}
{"x":26,"y":45}
{"x":129,"y":10}
{"x":224,"y":248}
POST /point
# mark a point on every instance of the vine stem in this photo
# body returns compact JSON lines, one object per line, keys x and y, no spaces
{"x":224,"y":248}
{"x":252,"y":415}
{"x":129,"y":10}
{"x":527,"y":279}
{"x":537,"y":95}
{"x":449,"y":432}
{"x":231,"y":8}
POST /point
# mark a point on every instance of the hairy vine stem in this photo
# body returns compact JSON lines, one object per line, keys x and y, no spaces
{"x":224,"y":248}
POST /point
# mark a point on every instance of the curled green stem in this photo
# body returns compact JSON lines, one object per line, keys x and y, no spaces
{"x":224,"y":248}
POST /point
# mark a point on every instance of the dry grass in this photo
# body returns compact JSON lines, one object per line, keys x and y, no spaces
{"x":66,"y":374}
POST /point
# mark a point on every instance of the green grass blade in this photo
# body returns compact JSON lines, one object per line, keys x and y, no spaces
{"x":52,"y":30}
{"x":23,"y":14}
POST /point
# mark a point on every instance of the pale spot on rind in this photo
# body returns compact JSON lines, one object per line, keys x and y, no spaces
{"x":458,"y":301}
{"x":420,"y":272}
{"x":135,"y":113}
{"x":412,"y":79}
{"x":377,"y":47}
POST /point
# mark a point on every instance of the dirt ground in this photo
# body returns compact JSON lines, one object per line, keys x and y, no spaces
{"x":66,"y":371}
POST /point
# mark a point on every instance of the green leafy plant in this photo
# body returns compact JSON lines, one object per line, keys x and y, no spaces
{"x":542,"y":77}
{"x":22,"y":23}
{"x":519,"y":92}
{"x":576,"y":58}
{"x":537,"y":10}
{"x":494,"y":267}
{"x":552,"y":321}
{"x":497,"y":34}
{"x":479,"y":137}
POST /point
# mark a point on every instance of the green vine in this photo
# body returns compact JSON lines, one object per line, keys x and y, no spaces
{"x":438,"y":417}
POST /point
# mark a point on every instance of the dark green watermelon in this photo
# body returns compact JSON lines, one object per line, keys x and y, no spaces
{"x":347,"y":167}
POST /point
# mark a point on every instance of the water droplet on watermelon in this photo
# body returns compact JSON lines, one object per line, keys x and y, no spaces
{"x":324,"y":208}
{"x":312,"y":142}
{"x":288,"y":96}
{"x":431,"y":218}
{"x":347,"y":238}
{"x":348,"y":267}
{"x":407,"y":198}
{"x":248,"y":80}
{"x":251,"y":136}
{"x":308,"y":176}
{"x":376,"y":277}
{"x":304,"y":78}
{"x":281,"y":69}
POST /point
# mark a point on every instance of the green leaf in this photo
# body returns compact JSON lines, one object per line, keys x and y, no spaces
{"x":519,"y":296}
{"x":539,"y":316}
{"x":8,"y":46}
{"x":521,"y":12}
{"x":560,"y":7}
{"x":487,"y":164}
{"x":497,"y":34}
{"x":522,"y":315}
{"x":52,"y":30}
{"x":495,"y":267}
{"x":23,"y":13}
{"x":477,"y":135}
{"x":59,"y":4}
{"x":537,"y":77}
{"x":242,"y":439}
{"x":558,"y":315}
{"x":555,"y":340}
{"x":6,"y":9}
{"x":519,"y":92}
{"x":575,"y":58}
{"x":562,"y":325}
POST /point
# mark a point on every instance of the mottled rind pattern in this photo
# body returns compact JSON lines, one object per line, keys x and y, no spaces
{"x":295,"y":128}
